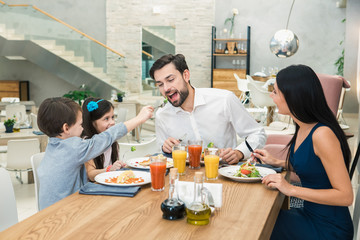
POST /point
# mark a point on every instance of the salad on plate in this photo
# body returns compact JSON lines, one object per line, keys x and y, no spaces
{"x":247,"y":170}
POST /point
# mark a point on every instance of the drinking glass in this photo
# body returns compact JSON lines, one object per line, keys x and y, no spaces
{"x":195,"y":149}
{"x":211,"y":159}
{"x":157,"y":171}
{"x":179,"y":155}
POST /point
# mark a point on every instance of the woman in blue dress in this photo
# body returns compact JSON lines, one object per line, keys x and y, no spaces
{"x":319,"y":155}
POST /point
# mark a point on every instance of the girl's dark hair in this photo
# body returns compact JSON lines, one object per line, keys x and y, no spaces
{"x":104,"y":107}
{"x":305,"y":98}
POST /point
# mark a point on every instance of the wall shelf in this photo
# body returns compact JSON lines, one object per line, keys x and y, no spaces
{"x":222,"y":65}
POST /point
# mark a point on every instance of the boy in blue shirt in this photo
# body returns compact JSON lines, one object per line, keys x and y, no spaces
{"x":62,"y":170}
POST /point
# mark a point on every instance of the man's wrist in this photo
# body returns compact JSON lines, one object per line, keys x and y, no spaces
{"x":239,"y":155}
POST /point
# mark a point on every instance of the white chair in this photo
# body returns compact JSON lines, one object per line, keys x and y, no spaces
{"x":34,"y":121}
{"x":8,"y":210}
{"x":147,"y":146}
{"x":35,"y":162}
{"x":17,"y":110}
{"x":243,"y":87}
{"x":260,"y":97}
{"x":121,"y":114}
{"x":19,"y":153}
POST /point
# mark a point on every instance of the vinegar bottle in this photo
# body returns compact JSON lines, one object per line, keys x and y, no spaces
{"x":173,"y":208}
{"x":198,"y":212}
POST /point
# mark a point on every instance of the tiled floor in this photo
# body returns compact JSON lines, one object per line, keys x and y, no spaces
{"x":25,"y":193}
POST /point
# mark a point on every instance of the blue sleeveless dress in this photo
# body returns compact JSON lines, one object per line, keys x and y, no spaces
{"x":313,"y":221}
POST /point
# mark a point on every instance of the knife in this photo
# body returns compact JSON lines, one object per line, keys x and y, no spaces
{"x":251,"y":150}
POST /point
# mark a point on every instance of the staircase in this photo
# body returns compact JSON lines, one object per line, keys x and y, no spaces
{"x":72,"y":66}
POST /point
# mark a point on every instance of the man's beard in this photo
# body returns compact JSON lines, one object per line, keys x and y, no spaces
{"x":183,"y":94}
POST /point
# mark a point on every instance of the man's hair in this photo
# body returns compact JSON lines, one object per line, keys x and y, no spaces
{"x":178,"y":60}
{"x":54,"y":112}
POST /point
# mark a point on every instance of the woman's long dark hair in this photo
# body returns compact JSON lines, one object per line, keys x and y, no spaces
{"x":89,"y":129}
{"x":305,"y":98}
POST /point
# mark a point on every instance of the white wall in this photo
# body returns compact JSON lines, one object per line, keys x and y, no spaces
{"x":316,"y":23}
{"x":192,"y":21}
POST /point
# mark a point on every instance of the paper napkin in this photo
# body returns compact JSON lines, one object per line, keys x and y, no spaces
{"x":186,"y":192}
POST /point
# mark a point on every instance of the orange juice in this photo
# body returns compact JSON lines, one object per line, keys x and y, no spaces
{"x":179,"y":157}
{"x":211,"y":166}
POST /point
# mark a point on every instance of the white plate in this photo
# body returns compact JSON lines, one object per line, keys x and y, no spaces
{"x":230,"y":171}
{"x":134,"y":163}
{"x":100,"y":178}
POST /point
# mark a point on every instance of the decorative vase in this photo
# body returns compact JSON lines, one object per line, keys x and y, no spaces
{"x":120,"y":99}
{"x":9,"y":128}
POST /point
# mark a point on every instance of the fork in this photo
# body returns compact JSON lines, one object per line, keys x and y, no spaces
{"x":182,"y":138}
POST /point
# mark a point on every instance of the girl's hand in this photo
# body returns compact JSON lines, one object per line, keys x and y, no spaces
{"x":277,"y":181}
{"x":145,"y":113}
{"x":117,"y":165}
{"x":264,"y":156}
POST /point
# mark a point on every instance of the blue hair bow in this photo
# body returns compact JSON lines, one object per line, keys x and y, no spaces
{"x":93,"y":105}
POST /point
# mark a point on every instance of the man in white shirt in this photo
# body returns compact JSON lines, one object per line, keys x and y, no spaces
{"x":208,"y":114}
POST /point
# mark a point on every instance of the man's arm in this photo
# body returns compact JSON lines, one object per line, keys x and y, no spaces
{"x":245,"y":126}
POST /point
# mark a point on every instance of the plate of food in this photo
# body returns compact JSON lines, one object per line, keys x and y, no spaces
{"x":124,"y":178}
{"x":246,"y":172}
{"x":144,"y":163}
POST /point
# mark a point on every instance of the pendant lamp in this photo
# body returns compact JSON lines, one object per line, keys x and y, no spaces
{"x":284,"y":43}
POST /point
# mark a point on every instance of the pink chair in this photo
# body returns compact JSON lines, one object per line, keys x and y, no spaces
{"x":332,"y":86}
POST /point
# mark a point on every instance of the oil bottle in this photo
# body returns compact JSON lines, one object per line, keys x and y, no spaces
{"x":198,"y":212}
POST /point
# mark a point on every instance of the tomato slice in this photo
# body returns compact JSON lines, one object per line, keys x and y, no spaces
{"x":245,"y":171}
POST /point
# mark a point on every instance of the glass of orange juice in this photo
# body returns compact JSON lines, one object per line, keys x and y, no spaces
{"x":179,"y":155}
{"x":157,"y":171}
{"x":211,"y":159}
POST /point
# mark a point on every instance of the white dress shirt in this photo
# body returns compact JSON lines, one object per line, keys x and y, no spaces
{"x":217,"y":117}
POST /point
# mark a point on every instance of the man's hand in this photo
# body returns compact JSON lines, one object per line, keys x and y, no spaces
{"x":231,"y":156}
{"x":168,"y":144}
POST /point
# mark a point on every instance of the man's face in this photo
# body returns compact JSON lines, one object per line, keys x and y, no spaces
{"x":172,"y":84}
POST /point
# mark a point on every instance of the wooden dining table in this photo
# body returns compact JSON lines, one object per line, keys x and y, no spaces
{"x":26,"y":133}
{"x":248,"y":211}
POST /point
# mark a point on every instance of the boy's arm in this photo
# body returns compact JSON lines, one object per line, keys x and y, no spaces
{"x":93,"y":147}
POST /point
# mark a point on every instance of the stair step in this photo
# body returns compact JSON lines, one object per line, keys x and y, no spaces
{"x":93,"y":70}
{"x":84,"y":64}
{"x":62,"y":53}
{"x":45,"y":42}
{"x":73,"y":59}
{"x":13,"y":37}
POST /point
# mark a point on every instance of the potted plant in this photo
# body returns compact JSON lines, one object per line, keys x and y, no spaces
{"x":9,"y":125}
{"x":79,"y":95}
{"x":120,"y":96}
